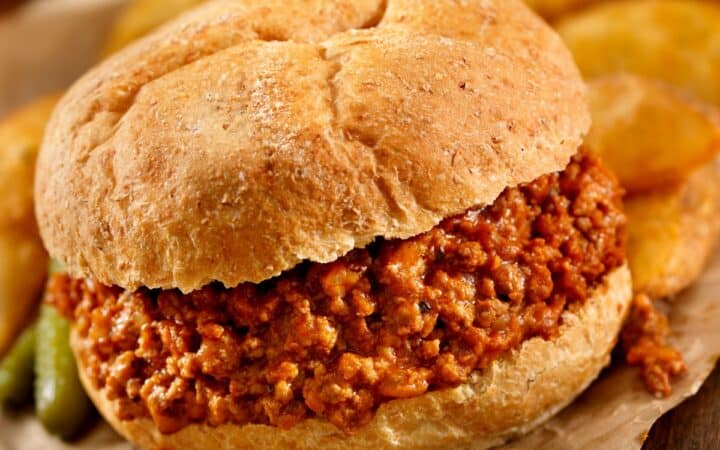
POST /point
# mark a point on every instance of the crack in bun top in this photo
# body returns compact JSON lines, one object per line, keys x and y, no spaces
{"x":248,"y":136}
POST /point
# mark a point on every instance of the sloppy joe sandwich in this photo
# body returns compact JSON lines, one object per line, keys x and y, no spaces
{"x":333,"y":224}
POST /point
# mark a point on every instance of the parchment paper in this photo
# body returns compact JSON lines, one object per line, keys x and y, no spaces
{"x":47,"y":43}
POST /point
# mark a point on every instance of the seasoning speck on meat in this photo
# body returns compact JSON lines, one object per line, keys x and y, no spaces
{"x":395,"y":320}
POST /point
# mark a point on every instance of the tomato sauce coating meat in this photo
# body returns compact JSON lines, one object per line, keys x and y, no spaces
{"x":644,"y":344}
{"x":395,"y":320}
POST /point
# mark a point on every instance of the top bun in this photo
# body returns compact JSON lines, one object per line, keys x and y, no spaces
{"x":250,"y":135}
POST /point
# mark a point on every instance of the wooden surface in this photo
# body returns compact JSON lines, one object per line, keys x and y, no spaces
{"x":694,"y":425}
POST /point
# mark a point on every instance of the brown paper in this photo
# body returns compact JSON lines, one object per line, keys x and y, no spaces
{"x":45,"y":45}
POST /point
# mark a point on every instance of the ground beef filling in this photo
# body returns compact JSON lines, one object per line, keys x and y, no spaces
{"x":644,"y":344}
{"x":395,"y":320}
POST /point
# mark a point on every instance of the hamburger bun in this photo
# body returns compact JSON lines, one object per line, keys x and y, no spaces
{"x":249,"y":136}
{"x":511,"y":397}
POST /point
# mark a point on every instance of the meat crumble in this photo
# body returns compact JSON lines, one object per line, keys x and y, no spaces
{"x":644,"y":344}
{"x":394,"y":320}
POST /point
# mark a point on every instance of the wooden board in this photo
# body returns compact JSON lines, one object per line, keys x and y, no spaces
{"x":694,"y":425}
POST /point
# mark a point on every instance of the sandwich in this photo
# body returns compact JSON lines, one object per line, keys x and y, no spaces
{"x":333,"y":224}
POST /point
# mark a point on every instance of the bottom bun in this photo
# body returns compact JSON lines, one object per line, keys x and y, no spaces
{"x":513,"y":395}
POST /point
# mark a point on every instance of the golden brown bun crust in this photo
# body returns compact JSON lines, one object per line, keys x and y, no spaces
{"x":250,"y":135}
{"x":511,"y":397}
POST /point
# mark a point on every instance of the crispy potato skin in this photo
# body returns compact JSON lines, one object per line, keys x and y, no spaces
{"x":662,"y":144}
{"x":648,"y":132}
{"x":22,"y":257}
{"x":552,"y":9}
{"x":141,"y":17}
{"x":673,"y":40}
{"x":673,"y":233}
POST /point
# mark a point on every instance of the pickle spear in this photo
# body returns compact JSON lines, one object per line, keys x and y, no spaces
{"x":61,"y":403}
{"x":16,"y":371}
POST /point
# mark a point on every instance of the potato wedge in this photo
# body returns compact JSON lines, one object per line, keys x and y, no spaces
{"x":22,"y":257}
{"x":650,"y":134}
{"x":672,"y":234}
{"x":677,"y":41}
{"x":142,"y":16}
{"x":20,"y":136}
{"x":551,"y":9}
{"x":22,"y":278}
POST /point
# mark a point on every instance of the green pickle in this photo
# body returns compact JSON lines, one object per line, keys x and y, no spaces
{"x":55,"y":267}
{"x":16,"y":371}
{"x":60,"y":400}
